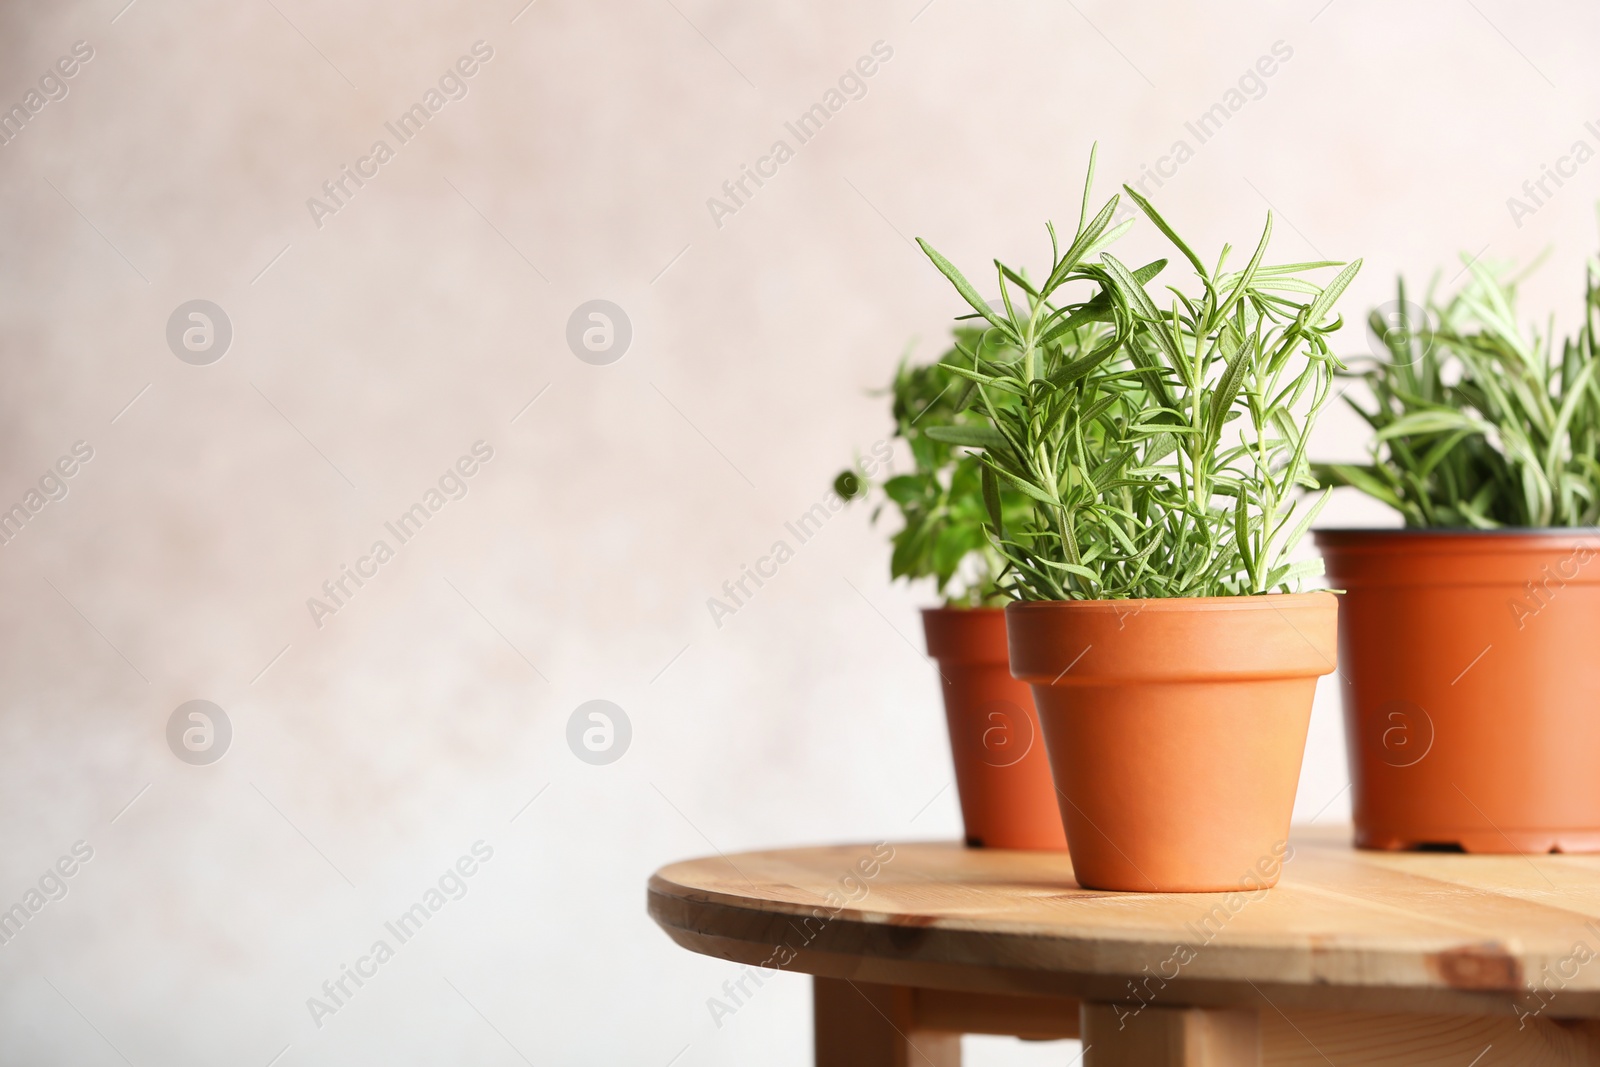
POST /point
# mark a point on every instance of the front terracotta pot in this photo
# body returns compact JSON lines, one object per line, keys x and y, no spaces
{"x":1472,"y":713}
{"x":1002,"y":774}
{"x":1175,"y":730}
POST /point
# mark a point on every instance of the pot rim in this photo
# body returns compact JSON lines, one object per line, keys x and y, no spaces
{"x":946,"y":610}
{"x":1252,"y":602}
{"x":1375,"y":532}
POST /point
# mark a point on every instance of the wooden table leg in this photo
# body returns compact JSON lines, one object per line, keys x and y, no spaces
{"x":860,"y":1024}
{"x":1113,"y":1036}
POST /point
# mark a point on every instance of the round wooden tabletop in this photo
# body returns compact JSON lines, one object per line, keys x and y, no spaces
{"x":1414,"y":932}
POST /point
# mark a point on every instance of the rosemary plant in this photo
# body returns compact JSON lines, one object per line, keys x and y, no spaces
{"x":1162,"y":450}
{"x":940,"y":502}
{"x":1477,"y":424}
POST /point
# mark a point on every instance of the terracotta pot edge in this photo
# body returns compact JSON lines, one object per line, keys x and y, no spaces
{"x":1500,"y":540}
{"x":1311,"y":598}
{"x":964,"y":636}
{"x":946,"y":612}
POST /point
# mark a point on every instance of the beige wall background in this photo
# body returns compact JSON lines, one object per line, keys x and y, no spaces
{"x":370,"y":352}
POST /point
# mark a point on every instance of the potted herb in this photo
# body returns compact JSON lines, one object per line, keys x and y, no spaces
{"x":1002,"y":774}
{"x":1172,"y":663}
{"x":1471,"y":635}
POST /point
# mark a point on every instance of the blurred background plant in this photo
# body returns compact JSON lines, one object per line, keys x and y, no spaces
{"x":1476,"y":423}
{"x":940,"y":501}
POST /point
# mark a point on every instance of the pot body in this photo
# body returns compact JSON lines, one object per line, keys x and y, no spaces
{"x":1472,"y":713}
{"x":1002,"y":773}
{"x":1175,"y":730}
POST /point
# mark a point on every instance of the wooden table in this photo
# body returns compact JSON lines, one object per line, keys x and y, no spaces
{"x":1383,"y":958}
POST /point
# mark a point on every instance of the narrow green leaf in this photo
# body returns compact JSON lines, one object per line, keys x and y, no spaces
{"x":991,"y":500}
{"x":964,"y":287}
{"x":970,"y":436}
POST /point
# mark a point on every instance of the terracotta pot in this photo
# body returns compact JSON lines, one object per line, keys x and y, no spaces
{"x":1472,"y":709}
{"x":1002,"y":774}
{"x":1175,"y":729}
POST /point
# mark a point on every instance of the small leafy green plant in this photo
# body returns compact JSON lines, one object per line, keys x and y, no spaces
{"x":1161,"y":446}
{"x":940,"y":501}
{"x":1477,"y":424}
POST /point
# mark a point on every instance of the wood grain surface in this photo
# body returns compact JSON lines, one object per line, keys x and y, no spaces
{"x":1512,"y":936}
